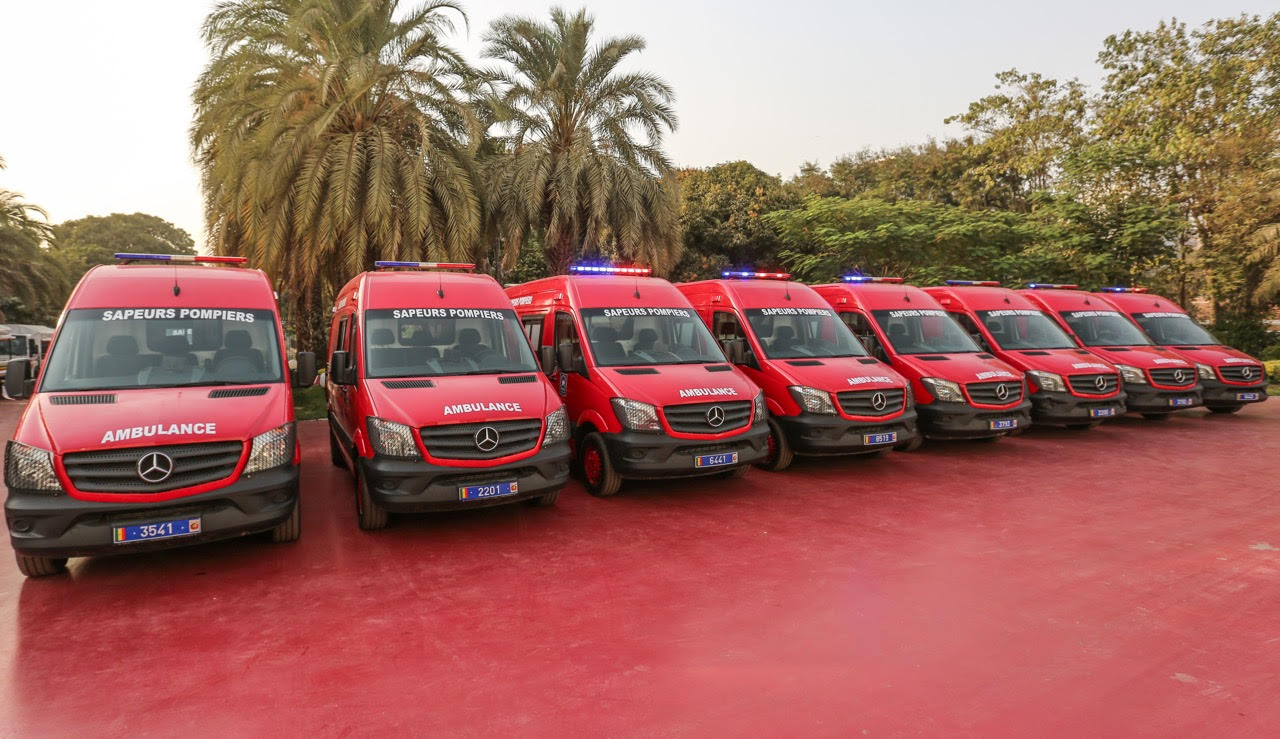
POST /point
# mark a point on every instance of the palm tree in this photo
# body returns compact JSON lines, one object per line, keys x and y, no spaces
{"x":330,"y":133}
{"x":26,"y":269}
{"x":582,"y":163}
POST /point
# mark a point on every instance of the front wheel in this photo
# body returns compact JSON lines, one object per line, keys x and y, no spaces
{"x":1220,"y":409}
{"x":602,"y":480}
{"x":735,"y":473}
{"x":40,"y":566}
{"x":544,"y":501}
{"x":371,"y":515}
{"x":780,"y":455}
{"x":290,"y":528}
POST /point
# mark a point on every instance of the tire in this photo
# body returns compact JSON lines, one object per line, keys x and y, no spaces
{"x":1084,"y":426}
{"x":601,"y":479}
{"x":780,"y":454}
{"x":737,"y":473}
{"x":1231,"y":409}
{"x":916,"y":442}
{"x":371,"y":516}
{"x":290,"y":528}
{"x":1156,"y":416}
{"x":335,"y":451}
{"x":544,"y":501}
{"x":40,"y":566}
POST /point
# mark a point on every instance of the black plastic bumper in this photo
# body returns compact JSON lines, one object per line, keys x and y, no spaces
{"x":414,"y":486}
{"x":1221,"y":395}
{"x":1064,"y":408}
{"x":61,"y":526}
{"x":939,"y":420}
{"x":832,"y":435}
{"x":640,"y":455}
{"x":1146,"y":399}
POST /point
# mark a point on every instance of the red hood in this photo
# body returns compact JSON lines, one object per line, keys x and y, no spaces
{"x":962,"y":368}
{"x":1216,"y":355}
{"x":154,"y":416}
{"x":1142,"y":357}
{"x":837,"y":374}
{"x":1059,"y":361}
{"x":673,"y":384}
{"x":462,"y":399}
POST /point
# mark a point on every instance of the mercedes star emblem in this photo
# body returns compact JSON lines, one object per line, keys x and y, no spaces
{"x":487,"y":439}
{"x":1179,"y":376}
{"x":715,"y":416}
{"x":1002,"y":392}
{"x":1246,"y":372}
{"x":155,"y":467}
{"x":1100,"y":382}
{"x":879,"y":401}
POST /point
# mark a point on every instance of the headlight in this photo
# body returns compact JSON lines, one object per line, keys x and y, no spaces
{"x":391,"y":439}
{"x":1048,"y":381}
{"x":29,"y":468}
{"x":1132,"y":375}
{"x":271,"y":449}
{"x":813,"y":400}
{"x":759,"y":411}
{"x":1206,"y":372}
{"x":911,"y":397}
{"x":557,"y":427}
{"x":944,"y":390}
{"x":635,"y":415}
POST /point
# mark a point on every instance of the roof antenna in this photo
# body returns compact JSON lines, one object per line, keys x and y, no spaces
{"x":637,"y":287}
{"x":439,"y":284}
{"x":176,"y":290}
{"x":787,"y":287}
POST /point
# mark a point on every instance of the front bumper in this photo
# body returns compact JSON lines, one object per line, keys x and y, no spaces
{"x":1147,"y":399}
{"x":1064,"y":408}
{"x":831,"y":435}
{"x":939,"y":420}
{"x":62,"y":526}
{"x":1221,"y":395}
{"x":416,"y":486}
{"x":640,"y":455}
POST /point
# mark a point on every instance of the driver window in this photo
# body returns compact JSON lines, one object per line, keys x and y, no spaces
{"x":967,"y":323}
{"x":861,"y":327}
{"x":727,"y":326}
{"x":532,"y":326}
{"x":567,"y":333}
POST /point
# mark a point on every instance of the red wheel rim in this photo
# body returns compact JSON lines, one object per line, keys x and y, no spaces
{"x":773,"y":448}
{"x":592,"y":465}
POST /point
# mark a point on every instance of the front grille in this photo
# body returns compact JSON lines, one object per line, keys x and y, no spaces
{"x":1236,"y":373}
{"x":692,"y":418}
{"x":1166,"y":376}
{"x":864,"y":402}
{"x":116,"y":470}
{"x":1088,"y":384}
{"x":986,"y":392}
{"x":459,"y":440}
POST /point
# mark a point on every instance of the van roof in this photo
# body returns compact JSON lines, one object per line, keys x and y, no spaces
{"x":881,"y":295}
{"x":981,"y":298}
{"x":606,"y":291}
{"x":762,"y":293}
{"x":1060,"y":300}
{"x":401,"y":289}
{"x":151,"y":285}
{"x":1142,"y":303}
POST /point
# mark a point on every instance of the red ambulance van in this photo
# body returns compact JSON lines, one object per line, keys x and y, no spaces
{"x":648,"y":389}
{"x":1156,"y":380}
{"x":163,"y":416}
{"x":1231,"y":378}
{"x":961,"y":392}
{"x":435,"y":400}
{"x":1069,"y":385}
{"x":825,"y":394}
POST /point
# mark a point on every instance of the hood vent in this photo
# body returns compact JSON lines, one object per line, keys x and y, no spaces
{"x":1188,"y":348}
{"x":238,"y":392}
{"x":516,"y":379}
{"x":1082,"y":352}
{"x":869,"y":360}
{"x":932,"y":358}
{"x":83,"y":399}
{"x":407,"y":384}
{"x":985,"y":356}
{"x":1035,"y":353}
{"x":1116,"y":348}
{"x":804,"y":363}
{"x":717,"y":368}
{"x":637,"y":371}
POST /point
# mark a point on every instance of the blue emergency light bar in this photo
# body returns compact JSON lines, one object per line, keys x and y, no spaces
{"x":606,"y":269}
{"x":974,"y":283}
{"x":869,"y":278}
{"x":1124,"y":289}
{"x":744,"y":275}
{"x":183,"y":258}
{"x":1051,"y":286}
{"x":424,"y":265}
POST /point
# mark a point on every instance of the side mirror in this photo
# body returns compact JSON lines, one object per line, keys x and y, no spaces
{"x":339,"y":370}
{"x":547,"y":359}
{"x":15,"y":379}
{"x":305,"y":374}
{"x":735,"y":350}
{"x":567,"y":359}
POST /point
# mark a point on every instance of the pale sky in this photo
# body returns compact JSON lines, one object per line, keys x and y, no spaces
{"x":96,"y":99}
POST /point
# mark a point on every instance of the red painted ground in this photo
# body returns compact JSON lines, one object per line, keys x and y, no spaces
{"x":1116,"y":582}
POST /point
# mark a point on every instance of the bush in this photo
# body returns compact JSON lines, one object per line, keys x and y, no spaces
{"x":1248,"y":333}
{"x":1273,"y":370}
{"x":1271,"y":353}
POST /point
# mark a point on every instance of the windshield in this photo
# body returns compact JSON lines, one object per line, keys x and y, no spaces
{"x":119,"y":349}
{"x":1024,"y":329}
{"x":791,"y":333}
{"x":1104,"y":328}
{"x":631,"y":336}
{"x":427,"y":342}
{"x":1175,"y":328}
{"x":924,"y":331}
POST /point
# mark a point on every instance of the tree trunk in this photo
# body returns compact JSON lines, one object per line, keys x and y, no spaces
{"x":561,"y":252}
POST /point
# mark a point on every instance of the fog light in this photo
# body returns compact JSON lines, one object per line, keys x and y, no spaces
{"x":636,"y":454}
{"x":20,"y":525}
{"x":387,"y":484}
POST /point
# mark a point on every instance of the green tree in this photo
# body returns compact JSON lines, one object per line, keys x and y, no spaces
{"x":84,"y":242}
{"x":952,"y":172}
{"x":812,"y":181}
{"x":330,"y":133}
{"x":582,"y":165}
{"x":27,"y":272}
{"x":722,"y":212}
